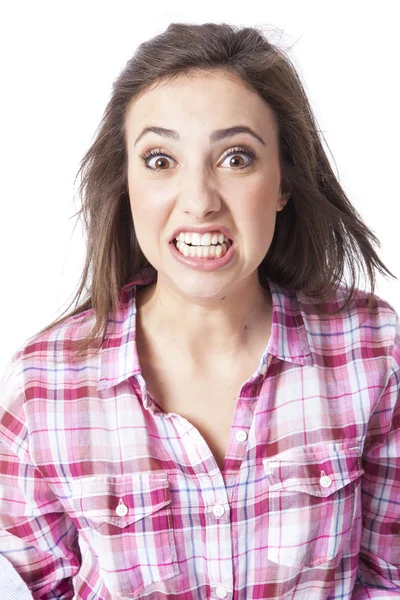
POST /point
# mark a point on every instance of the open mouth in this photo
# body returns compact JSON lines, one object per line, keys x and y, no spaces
{"x":230,"y":242}
{"x":209,"y":251}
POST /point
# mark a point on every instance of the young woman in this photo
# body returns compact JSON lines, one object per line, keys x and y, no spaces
{"x":219,"y":417}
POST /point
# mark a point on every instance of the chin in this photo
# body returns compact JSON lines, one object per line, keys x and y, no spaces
{"x":201,"y":287}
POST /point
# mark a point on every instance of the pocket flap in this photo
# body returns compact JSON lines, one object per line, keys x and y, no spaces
{"x":319,"y":469}
{"x":97,"y":497}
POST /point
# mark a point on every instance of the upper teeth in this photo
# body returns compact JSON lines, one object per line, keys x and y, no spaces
{"x":196,"y":239}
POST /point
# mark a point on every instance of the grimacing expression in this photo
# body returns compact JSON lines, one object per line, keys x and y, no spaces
{"x":191,"y":178}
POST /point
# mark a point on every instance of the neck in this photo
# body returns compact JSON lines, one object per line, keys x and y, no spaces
{"x":204,"y":332}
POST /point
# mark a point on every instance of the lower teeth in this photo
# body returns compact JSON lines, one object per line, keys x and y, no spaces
{"x":191,"y":251}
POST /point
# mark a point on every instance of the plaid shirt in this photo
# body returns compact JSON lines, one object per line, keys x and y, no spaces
{"x":105,"y":496}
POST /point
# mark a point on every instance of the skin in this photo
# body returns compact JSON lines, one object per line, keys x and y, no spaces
{"x":206,"y":317}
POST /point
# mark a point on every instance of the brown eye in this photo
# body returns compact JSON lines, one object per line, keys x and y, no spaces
{"x":235,"y":160}
{"x":236,"y":157}
{"x":159,"y":157}
{"x":160,"y":162}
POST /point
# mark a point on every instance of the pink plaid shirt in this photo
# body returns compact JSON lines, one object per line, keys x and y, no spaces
{"x":105,"y":496}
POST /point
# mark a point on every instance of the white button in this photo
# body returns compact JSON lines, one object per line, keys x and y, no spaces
{"x":121,"y":509}
{"x":325,"y":481}
{"x":241,"y":436}
{"x":218,"y":511}
{"x":221,"y":591}
{"x":264,"y":369}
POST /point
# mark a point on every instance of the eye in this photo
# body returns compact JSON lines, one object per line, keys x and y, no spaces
{"x":237,"y":151}
{"x":163,"y":158}
{"x":160,"y":162}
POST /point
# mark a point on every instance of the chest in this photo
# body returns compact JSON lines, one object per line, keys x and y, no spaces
{"x":207,"y":401}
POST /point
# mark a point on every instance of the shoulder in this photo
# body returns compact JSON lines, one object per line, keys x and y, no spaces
{"x":363,"y":331}
{"x":42,"y":358}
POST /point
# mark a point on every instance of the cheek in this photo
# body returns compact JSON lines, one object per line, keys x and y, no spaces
{"x":145,"y":206}
{"x":256,"y":213}
{"x":146,"y":220}
{"x":149,"y":214}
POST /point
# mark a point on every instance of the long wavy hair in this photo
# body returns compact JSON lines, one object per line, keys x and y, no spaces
{"x":317,"y":234}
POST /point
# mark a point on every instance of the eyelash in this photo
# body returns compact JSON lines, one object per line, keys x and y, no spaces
{"x":149,"y":153}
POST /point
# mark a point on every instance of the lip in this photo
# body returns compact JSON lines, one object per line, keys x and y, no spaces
{"x":207,"y":228}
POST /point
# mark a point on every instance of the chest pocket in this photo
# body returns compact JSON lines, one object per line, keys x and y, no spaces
{"x":312,"y":500}
{"x":127,"y":522}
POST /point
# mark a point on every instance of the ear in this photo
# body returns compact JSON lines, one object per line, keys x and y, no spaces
{"x":284,"y":198}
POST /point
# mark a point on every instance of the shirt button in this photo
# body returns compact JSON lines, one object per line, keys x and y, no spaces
{"x":121,"y":509}
{"x":221,"y":591}
{"x":241,"y":436}
{"x":325,"y":481}
{"x":218,"y":511}
{"x":264,"y":369}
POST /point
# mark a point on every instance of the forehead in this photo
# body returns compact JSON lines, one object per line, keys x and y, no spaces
{"x":218,"y":99}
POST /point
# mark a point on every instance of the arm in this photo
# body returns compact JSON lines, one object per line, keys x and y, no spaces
{"x":12,"y":587}
{"x":379,"y":559}
{"x":36,"y":534}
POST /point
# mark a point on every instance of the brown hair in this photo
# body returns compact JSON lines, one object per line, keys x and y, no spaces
{"x":316,"y":235}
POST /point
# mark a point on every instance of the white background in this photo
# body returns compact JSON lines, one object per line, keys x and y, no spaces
{"x":58,"y":62}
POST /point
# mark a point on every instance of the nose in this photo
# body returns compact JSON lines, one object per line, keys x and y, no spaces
{"x":198,"y":196}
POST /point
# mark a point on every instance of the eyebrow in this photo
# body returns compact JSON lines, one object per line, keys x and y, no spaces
{"x":215,"y":136}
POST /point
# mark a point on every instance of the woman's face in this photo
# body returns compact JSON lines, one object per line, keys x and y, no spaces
{"x":197,"y":184}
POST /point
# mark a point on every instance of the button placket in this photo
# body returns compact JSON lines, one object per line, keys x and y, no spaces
{"x":219,"y":546}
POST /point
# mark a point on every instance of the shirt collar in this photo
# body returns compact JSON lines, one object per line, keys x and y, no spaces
{"x":119,"y":357}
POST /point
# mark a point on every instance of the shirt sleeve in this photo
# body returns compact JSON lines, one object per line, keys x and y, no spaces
{"x":37,"y":536}
{"x":12,"y":586}
{"x":379,"y":558}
